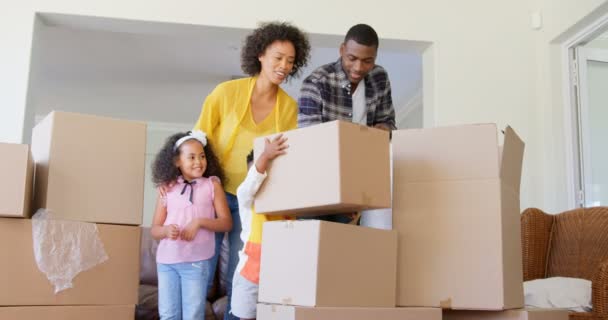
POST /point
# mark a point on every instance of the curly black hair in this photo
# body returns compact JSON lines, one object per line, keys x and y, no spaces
{"x":165,"y":171}
{"x":257,"y":42}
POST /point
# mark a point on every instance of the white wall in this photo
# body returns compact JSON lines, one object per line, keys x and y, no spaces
{"x":489,"y":65}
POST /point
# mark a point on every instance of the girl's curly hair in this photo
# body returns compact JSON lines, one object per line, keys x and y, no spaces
{"x":257,"y":42}
{"x":164,"y":170}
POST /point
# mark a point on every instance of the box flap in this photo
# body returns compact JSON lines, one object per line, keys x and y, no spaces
{"x":41,"y":148}
{"x":468,"y":152}
{"x":511,"y":159}
{"x":511,"y":248}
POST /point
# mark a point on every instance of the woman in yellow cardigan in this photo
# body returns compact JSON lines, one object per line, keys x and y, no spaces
{"x":238,"y":111}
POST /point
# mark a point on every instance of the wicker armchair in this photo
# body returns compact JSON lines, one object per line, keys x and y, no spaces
{"x":570,"y":244}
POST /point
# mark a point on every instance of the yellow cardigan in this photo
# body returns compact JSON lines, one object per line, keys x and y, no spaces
{"x":224,"y":110}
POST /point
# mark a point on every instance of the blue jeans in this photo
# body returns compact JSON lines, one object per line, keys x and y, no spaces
{"x":234,"y":239}
{"x":181,"y":290}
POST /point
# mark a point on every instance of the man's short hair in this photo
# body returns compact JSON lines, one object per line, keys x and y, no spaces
{"x":362,"y":34}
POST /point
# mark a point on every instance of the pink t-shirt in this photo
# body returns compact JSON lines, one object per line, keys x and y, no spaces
{"x":181,"y":211}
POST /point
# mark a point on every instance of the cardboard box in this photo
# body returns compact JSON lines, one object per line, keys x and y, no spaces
{"x":520,"y":314}
{"x":16,"y":174}
{"x":113,"y":282}
{"x":323,"y":264}
{"x":68,"y":313}
{"x":278,"y":312}
{"x":332,"y":167}
{"x":456,"y":208}
{"x":90,"y":168}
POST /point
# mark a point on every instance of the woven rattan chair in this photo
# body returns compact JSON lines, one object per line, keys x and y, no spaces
{"x":570,"y":244}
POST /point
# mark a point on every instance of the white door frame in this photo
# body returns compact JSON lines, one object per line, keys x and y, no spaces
{"x":570,"y":83}
{"x":584,"y":55}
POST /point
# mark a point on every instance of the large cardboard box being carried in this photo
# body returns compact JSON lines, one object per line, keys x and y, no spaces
{"x":16,"y":176}
{"x":518,"y":314}
{"x":68,"y":313}
{"x":278,"y":312}
{"x":90,"y":168}
{"x":113,"y":282}
{"x":332,"y":167}
{"x":324,"y":264}
{"x":456,"y":208}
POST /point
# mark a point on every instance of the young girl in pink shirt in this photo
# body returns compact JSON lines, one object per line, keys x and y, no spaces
{"x":185,"y":222}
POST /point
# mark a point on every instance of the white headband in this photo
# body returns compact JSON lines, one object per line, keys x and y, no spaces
{"x":194,"y":134}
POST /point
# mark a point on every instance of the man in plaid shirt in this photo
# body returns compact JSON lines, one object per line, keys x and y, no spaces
{"x":353,"y":88}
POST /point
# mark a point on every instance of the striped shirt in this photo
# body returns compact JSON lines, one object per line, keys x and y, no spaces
{"x":326,"y":96}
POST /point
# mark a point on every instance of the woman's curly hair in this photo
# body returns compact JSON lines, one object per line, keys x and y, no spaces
{"x":164,"y":170}
{"x":257,"y":42}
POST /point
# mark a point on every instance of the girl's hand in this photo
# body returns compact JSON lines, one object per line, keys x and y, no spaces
{"x":272,"y":149}
{"x":275,"y":148}
{"x":171,"y":231}
{"x":189,"y":232}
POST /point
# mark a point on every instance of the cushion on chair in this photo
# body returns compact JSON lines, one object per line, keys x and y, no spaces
{"x":559,"y":292}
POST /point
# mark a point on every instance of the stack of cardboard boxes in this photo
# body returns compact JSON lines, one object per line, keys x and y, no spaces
{"x":456,"y":243}
{"x":87,"y":169}
{"x":321,"y":270}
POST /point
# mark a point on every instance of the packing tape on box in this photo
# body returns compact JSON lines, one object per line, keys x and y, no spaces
{"x":446,"y":304}
{"x":64,"y":248}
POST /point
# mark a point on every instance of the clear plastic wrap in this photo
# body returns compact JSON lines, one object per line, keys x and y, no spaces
{"x":64,"y":248}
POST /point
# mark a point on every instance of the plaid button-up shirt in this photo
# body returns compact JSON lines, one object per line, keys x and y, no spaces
{"x":326,"y":96}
